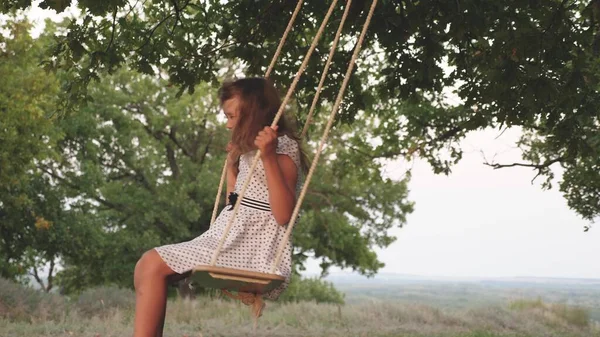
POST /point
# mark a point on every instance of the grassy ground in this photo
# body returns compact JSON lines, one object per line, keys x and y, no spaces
{"x":108,"y":313}
{"x":209,"y":317}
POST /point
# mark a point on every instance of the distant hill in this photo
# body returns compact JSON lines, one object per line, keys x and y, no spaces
{"x":343,"y":278}
{"x":467,"y":292}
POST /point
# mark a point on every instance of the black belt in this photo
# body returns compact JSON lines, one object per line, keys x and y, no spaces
{"x":247,"y":202}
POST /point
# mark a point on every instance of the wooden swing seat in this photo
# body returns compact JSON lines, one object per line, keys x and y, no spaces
{"x":236,"y":280}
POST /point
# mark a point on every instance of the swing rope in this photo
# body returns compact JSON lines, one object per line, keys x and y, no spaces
{"x":331,"y":118}
{"x":284,"y":37}
{"x":325,"y":70}
{"x":325,"y":135}
{"x":275,"y":121}
{"x":273,"y":61}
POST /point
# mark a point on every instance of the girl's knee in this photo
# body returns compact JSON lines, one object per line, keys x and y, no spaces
{"x":150,"y":265}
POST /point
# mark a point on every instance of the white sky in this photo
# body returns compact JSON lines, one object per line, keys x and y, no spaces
{"x":480,"y":222}
{"x":37,"y":15}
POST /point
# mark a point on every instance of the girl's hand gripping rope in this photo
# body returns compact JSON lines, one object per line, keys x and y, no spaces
{"x":266,"y":142}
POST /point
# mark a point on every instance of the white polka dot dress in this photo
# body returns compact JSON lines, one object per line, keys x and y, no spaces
{"x":254,"y":236}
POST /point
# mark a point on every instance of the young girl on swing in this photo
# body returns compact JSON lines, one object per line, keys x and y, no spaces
{"x":250,"y":106}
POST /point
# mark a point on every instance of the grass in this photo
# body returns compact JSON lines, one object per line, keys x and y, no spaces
{"x":108,"y":312}
{"x":559,"y":312}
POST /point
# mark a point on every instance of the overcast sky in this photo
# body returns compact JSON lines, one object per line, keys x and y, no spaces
{"x":480,"y":222}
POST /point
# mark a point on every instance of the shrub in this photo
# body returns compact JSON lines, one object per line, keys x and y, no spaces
{"x":21,"y":303}
{"x":571,"y":315}
{"x":576,"y":316}
{"x":527,"y":304}
{"x":311,"y":289}
{"x":102,"y":301}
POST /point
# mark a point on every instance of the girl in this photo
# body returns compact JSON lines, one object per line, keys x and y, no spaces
{"x":250,"y":106}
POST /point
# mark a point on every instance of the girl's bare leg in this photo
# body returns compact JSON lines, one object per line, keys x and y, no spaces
{"x":163,"y":314}
{"x":150,"y":281}
{"x":173,"y":278}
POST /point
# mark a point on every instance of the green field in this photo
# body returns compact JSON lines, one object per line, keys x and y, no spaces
{"x":475,"y":294}
{"x":409,"y":309}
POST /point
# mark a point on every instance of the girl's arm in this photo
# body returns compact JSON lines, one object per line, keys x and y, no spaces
{"x":281,"y":173}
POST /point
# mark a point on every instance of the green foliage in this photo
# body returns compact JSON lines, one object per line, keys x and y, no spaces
{"x":32,"y":215}
{"x":138,"y":166}
{"x":311,"y":290}
{"x":528,"y":64}
{"x":150,"y":169}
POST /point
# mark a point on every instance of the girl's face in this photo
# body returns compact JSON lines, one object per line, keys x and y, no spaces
{"x":231,"y":109}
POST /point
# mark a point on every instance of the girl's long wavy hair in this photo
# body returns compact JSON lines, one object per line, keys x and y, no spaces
{"x":258,"y":104}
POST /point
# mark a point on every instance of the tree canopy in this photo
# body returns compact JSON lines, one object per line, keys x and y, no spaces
{"x":138,"y":166}
{"x":527,"y":64}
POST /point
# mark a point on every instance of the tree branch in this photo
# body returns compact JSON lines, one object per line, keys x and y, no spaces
{"x":131,"y":8}
{"x":76,"y":188}
{"x":158,"y":135}
{"x":554,"y":17}
{"x":177,"y":15}
{"x":366,"y":154}
{"x":174,"y":139}
{"x":544,"y":165}
{"x":539,"y":167}
{"x":149,"y":36}
{"x":37,"y":278}
{"x":322,"y":196}
{"x":596,"y":42}
{"x":112,"y":35}
{"x":206,"y":149}
{"x":140,"y":175}
{"x":50,"y":276}
{"x":172,"y":161}
{"x":195,"y":142}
